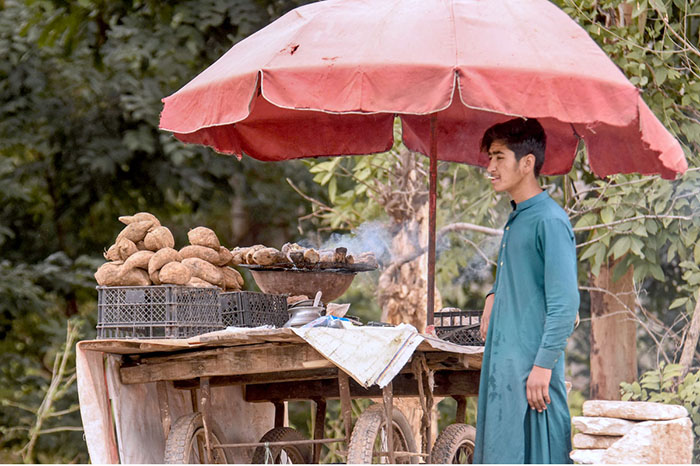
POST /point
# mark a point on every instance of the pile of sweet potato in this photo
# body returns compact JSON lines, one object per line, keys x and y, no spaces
{"x":144,"y":254}
{"x":294,"y":255}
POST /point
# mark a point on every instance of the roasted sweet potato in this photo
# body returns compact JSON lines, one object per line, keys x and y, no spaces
{"x":135,"y":231}
{"x":162,"y":257}
{"x":108,"y":273}
{"x":199,"y":283}
{"x":204,"y":270}
{"x":268,"y":256}
{"x":159,"y":238}
{"x":138,"y":259}
{"x":175,"y":273}
{"x":203,"y":236}
{"x":208,"y":254}
{"x":139,"y":217}
{"x":126,"y":248}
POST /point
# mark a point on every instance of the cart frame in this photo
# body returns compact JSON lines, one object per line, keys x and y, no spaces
{"x":278,"y":371}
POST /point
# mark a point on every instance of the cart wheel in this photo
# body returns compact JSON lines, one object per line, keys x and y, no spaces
{"x":282,"y":454}
{"x":455,"y":445}
{"x":369,"y":437}
{"x":186,"y":443}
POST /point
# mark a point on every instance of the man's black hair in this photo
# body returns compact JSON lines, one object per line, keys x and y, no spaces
{"x":522,"y":136}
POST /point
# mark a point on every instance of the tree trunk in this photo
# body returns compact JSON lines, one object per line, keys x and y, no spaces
{"x":613,"y":333}
{"x":691,"y":339}
{"x":402,"y":287}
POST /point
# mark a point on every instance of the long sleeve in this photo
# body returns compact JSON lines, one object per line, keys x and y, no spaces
{"x":556,"y":243}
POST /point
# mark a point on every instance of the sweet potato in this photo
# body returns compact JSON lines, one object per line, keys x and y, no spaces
{"x":125,"y":248}
{"x":112,"y":254}
{"x":367,"y":258}
{"x":268,"y":256}
{"x":225,"y":256}
{"x":162,"y":257}
{"x":204,"y":270}
{"x":203,"y":236}
{"x":233,"y":280}
{"x":311,"y":256}
{"x":203,"y":252}
{"x":141,"y":246}
{"x":297,"y":258}
{"x":327,"y":256}
{"x":251,"y":251}
{"x":139,"y":217}
{"x":238,"y":255}
{"x":108,"y":273}
{"x":135,"y":231}
{"x":199,"y":283}
{"x":175,"y":273}
{"x":155,"y":276}
{"x":340,"y":254}
{"x":159,"y":238}
{"x":134,"y":277}
{"x":138,"y":259}
{"x":291,"y":247}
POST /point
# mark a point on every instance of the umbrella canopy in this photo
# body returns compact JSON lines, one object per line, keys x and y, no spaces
{"x":328,"y":79}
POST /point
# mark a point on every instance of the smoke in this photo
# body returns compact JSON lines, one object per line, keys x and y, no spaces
{"x":477,"y":249}
{"x":369,"y":237}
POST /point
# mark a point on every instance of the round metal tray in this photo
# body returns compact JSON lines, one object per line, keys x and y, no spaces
{"x":331,"y":282}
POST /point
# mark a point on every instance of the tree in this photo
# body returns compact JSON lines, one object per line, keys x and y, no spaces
{"x":642,"y":228}
{"x":80,"y":90}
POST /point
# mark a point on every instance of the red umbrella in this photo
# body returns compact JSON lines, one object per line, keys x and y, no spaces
{"x":328,"y":79}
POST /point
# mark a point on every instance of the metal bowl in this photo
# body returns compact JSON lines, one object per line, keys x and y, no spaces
{"x":332,"y":283}
{"x":303,"y":315}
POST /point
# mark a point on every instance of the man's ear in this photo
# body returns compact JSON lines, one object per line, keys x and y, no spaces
{"x":528,"y":162}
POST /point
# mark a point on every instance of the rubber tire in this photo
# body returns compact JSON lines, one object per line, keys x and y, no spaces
{"x":298,"y":454}
{"x":367,"y":428}
{"x":182,"y":433}
{"x":450,"y":441}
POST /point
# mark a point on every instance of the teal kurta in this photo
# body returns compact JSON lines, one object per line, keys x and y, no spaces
{"x":535,"y":304}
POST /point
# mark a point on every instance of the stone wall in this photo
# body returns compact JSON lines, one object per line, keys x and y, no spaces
{"x":632,"y":432}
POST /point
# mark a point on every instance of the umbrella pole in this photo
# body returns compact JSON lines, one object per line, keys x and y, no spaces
{"x":432,"y":206}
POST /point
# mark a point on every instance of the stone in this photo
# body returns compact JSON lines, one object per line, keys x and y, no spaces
{"x":634,"y":410}
{"x":602,"y":425}
{"x":654,"y":442}
{"x":587,"y":456}
{"x":594,"y":442}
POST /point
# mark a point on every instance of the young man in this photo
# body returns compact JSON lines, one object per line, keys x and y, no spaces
{"x":523,"y":416}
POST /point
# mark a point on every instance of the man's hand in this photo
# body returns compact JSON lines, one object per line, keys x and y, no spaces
{"x":538,"y":388}
{"x":488,"y":306}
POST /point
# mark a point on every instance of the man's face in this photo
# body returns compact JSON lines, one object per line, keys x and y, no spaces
{"x":507,"y":173}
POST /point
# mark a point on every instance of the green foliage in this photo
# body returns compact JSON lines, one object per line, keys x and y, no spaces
{"x":652,"y":224}
{"x":662,"y":385}
{"x":80,"y":90}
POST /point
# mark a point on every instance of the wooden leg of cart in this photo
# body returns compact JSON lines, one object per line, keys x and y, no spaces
{"x":319,"y":427}
{"x":279,"y":413}
{"x":204,"y":406}
{"x":461,"y":409}
{"x":164,"y":407}
{"x":388,"y":398}
{"x":346,"y":408}
{"x":425,"y":392}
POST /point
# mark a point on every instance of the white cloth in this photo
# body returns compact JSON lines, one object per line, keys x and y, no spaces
{"x":370,"y":355}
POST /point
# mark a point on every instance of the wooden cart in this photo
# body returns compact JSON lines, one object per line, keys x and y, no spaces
{"x":275,"y":366}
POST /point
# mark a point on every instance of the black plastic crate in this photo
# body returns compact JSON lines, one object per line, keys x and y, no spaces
{"x":163,"y":311}
{"x":458,"y":326}
{"x":253,"y":309}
